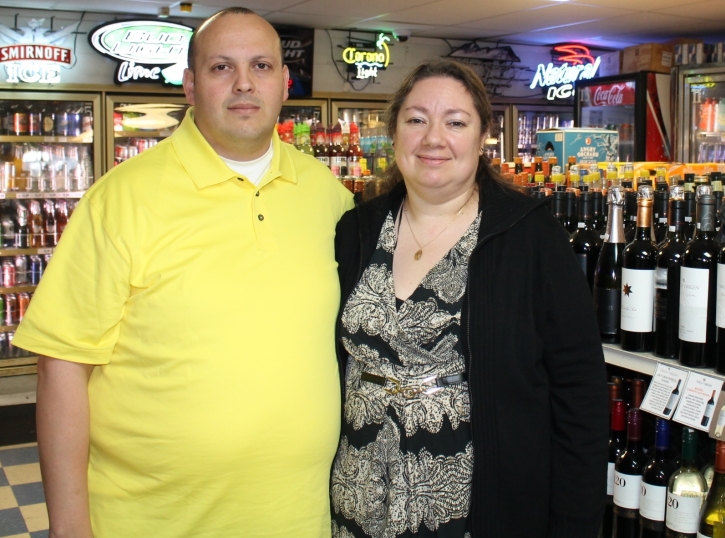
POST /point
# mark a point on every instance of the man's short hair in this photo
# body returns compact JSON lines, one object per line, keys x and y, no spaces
{"x":226,"y":11}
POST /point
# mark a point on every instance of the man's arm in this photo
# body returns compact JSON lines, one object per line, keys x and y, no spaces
{"x":63,"y":437}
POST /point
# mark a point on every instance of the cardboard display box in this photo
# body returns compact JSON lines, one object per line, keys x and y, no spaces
{"x":589,"y":146}
{"x":648,"y":57}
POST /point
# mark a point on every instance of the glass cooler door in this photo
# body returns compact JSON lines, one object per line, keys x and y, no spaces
{"x":704,"y":107}
{"x":135,"y":123}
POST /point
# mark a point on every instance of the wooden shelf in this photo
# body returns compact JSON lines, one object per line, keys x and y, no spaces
{"x":646,"y":363}
{"x":47,"y":139}
{"x":142,"y":134}
{"x":18,"y":289}
{"x":22,"y":195}
{"x":7,"y":329}
{"x":25,"y":251}
{"x":18,"y":366}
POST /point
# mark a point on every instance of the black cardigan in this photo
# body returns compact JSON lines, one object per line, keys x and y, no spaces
{"x":539,"y":416}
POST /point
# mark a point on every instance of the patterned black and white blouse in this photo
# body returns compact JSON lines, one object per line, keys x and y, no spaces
{"x":404,"y":465}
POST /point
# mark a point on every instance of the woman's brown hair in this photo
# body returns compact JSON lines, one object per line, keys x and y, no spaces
{"x":475,"y":88}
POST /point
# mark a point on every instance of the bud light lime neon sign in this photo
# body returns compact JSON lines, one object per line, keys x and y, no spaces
{"x":147,"y":51}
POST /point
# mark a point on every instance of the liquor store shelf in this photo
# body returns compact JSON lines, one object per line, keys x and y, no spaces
{"x":40,"y":195}
{"x":646,"y":363}
{"x":25,"y":251}
{"x":48,"y":139}
{"x":18,"y":366}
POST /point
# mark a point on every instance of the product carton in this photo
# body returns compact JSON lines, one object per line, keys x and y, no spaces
{"x":649,"y":57}
{"x":610,"y":64}
{"x":589,"y":146}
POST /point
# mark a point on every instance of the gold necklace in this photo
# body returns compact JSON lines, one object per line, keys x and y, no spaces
{"x":419,"y":253}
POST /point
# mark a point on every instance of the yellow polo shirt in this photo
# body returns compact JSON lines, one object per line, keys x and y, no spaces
{"x":208,"y":304}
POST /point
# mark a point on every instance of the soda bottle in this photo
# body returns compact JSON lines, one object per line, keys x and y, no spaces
{"x":338,"y":161}
{"x":37,"y":228}
{"x":354,"y":151}
{"x":320,"y":149}
{"x":34,"y":119}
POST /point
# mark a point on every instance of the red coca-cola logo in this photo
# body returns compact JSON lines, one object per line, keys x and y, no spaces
{"x":612,"y":95}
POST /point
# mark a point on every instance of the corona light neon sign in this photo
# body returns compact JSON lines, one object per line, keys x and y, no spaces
{"x":578,"y":64}
{"x":368,"y":62}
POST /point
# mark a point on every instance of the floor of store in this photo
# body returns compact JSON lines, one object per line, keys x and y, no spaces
{"x":22,"y":504}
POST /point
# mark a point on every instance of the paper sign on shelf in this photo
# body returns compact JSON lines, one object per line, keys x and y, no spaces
{"x":665,"y":390}
{"x":697,"y":404}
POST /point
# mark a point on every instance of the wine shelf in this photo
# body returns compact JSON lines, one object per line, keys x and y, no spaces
{"x":646,"y":363}
{"x":19,"y":289}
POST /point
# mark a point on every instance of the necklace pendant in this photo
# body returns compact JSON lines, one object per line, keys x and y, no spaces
{"x":418,"y":254}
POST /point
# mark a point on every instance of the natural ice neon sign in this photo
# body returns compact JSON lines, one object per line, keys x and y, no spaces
{"x":152,"y":51}
{"x":368,"y":62}
{"x":560,"y":79}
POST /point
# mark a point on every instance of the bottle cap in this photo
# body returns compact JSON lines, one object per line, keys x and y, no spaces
{"x":703,"y":190}
{"x":619,"y":410}
{"x":662,"y":434}
{"x":677,"y":193}
{"x":644,"y":192}
{"x":615,"y":195}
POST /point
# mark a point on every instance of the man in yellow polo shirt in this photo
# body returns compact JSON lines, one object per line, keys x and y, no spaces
{"x":189,"y":385}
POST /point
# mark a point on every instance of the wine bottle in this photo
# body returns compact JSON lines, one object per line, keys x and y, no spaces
{"x":638,"y":280}
{"x":672,"y":400}
{"x":690,"y":217}
{"x":598,"y":220}
{"x":608,"y":271}
{"x":712,"y":521}
{"x":571,"y":212}
{"x":686,"y":492}
{"x":720,"y":311}
{"x":720,"y":423}
{"x":667,"y":279}
{"x":709,"y":409}
{"x":628,"y":480}
{"x":558,"y":207}
{"x":617,"y":443}
{"x":655,"y":479}
{"x":708,"y":469}
{"x":586,"y":241}
{"x":630,"y":212}
{"x":660,"y":221}
{"x":698,"y":280}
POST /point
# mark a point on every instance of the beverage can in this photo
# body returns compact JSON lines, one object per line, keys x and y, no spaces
{"x":35,"y":270}
{"x":142,"y":144}
{"x":11,"y":309}
{"x":23,"y":302}
{"x":8,"y":274}
{"x":21,"y":270}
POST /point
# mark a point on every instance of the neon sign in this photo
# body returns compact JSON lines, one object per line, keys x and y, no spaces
{"x":34,"y":54}
{"x":368,"y":62}
{"x":147,"y":51}
{"x":578,"y":64}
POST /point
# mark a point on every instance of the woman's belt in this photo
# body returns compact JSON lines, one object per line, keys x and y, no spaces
{"x":429,"y":385}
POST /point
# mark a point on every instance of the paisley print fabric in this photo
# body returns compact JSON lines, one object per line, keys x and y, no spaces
{"x":405,"y":461}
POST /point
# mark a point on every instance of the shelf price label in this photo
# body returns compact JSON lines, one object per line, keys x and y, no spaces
{"x":698,"y":401}
{"x":665,"y":391}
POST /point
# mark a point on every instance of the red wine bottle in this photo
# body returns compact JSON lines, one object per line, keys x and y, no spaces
{"x":698,"y":280}
{"x":667,"y":279}
{"x":617,"y":443}
{"x":720,"y":312}
{"x":655,"y":478}
{"x":586,"y":241}
{"x":628,"y":480}
{"x":608,"y":271}
{"x":630,"y":215}
{"x":659,"y":221}
{"x":638,"y":280}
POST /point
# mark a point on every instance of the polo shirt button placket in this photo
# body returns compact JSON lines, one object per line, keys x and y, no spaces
{"x":260,"y":217}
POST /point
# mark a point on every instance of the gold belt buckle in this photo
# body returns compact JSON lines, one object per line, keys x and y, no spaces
{"x":411,"y":391}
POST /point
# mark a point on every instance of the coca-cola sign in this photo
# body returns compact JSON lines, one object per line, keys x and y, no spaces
{"x":617,"y":94}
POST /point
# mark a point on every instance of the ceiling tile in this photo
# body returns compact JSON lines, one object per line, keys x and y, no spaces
{"x":369,"y":9}
{"x":455,"y":32}
{"x":330,"y":20}
{"x":453,"y":12}
{"x":642,"y":5}
{"x":552,"y":16}
{"x":712,"y":10}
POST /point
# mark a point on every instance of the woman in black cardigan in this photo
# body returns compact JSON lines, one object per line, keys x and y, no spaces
{"x":473,"y":378}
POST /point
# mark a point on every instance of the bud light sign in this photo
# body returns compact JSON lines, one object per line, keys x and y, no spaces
{"x":147,"y":51}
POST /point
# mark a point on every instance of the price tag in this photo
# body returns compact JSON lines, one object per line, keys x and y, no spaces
{"x":697,"y":405}
{"x":62,"y":195}
{"x":25,"y":195}
{"x":2,"y":196}
{"x":664,"y":391}
{"x":45,"y":251}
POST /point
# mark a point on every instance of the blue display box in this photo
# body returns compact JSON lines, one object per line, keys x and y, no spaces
{"x":589,"y":146}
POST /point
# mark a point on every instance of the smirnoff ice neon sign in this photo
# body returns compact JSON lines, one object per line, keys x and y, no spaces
{"x":578,"y":64}
{"x":34,"y":54}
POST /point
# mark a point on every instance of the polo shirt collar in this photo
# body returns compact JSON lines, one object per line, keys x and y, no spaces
{"x":206,"y":167}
